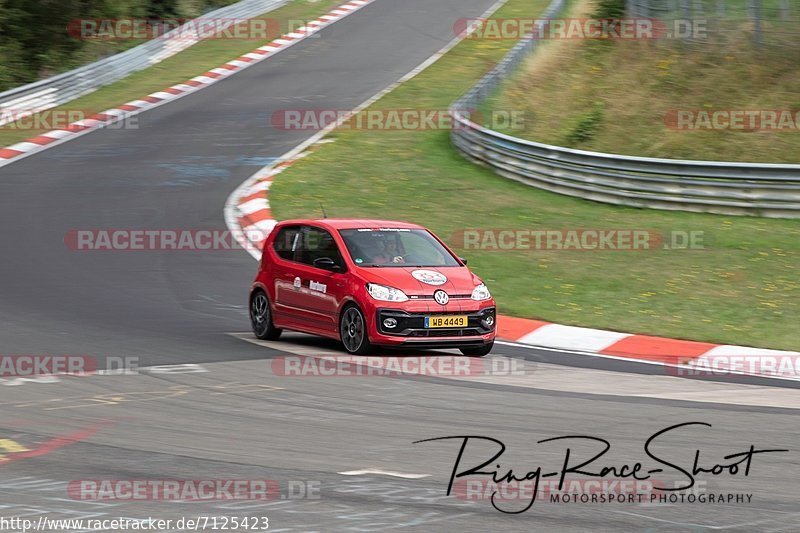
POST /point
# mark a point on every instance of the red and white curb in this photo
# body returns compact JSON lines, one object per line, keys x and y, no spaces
{"x":16,"y":152}
{"x":247,"y":212}
{"x":700,"y":358}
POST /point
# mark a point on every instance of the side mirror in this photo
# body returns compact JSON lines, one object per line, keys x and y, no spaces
{"x":326,"y":263}
{"x":462,"y":260}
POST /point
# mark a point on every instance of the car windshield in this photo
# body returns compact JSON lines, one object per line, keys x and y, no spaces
{"x":393,"y":247}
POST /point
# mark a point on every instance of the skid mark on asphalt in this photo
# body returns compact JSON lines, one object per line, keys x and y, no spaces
{"x":19,"y":452}
{"x":136,"y":396}
{"x":42,"y":379}
{"x":118,"y":398}
{"x":381,"y":505}
{"x":114,"y":399}
{"x":375,"y":505}
{"x":748,"y":526}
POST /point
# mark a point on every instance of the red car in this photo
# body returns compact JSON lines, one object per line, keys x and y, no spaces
{"x":370,"y":283}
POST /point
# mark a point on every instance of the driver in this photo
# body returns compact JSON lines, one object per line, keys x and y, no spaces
{"x":391,"y":253}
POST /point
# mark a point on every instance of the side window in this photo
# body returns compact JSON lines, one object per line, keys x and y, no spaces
{"x":319,"y":243}
{"x":288,"y":242}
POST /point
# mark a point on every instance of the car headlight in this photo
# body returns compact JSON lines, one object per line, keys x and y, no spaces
{"x":386,"y":294}
{"x":481,"y":292}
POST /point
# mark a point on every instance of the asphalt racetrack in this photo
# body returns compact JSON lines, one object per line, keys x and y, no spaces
{"x":339,"y":449}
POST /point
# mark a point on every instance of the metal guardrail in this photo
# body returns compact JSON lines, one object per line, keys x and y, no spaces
{"x":768,"y":190}
{"x":60,"y":89}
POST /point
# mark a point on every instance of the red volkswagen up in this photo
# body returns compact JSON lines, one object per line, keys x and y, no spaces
{"x":370,"y":283}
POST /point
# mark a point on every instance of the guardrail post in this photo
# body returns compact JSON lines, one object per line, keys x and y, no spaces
{"x":755,"y":14}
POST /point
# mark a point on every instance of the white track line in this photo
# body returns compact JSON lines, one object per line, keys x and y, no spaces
{"x":375,"y":471}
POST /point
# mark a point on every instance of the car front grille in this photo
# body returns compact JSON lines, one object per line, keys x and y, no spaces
{"x":463,"y":332}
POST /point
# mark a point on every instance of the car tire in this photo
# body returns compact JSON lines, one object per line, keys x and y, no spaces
{"x":261,"y":317}
{"x":480,"y":351}
{"x":353,"y":331}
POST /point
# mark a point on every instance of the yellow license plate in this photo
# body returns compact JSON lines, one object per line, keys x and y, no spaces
{"x":449,"y":321}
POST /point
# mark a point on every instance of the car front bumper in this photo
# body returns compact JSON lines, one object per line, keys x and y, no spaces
{"x":411,"y":331}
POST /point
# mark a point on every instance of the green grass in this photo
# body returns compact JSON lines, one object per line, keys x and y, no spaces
{"x":177,"y":69}
{"x":743,"y":289}
{"x":637,"y":83}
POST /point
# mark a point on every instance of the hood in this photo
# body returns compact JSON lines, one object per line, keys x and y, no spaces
{"x":410,"y":280}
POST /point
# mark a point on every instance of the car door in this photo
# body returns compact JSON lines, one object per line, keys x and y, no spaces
{"x":321,"y":289}
{"x":287,"y":248}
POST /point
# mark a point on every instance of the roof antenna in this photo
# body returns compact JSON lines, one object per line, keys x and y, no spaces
{"x":324,"y":214}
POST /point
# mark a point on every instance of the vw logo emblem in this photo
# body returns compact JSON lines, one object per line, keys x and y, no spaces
{"x":441,"y":297}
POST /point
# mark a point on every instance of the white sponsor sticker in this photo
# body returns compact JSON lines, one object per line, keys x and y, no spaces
{"x":429,"y":277}
{"x":316,"y":286}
